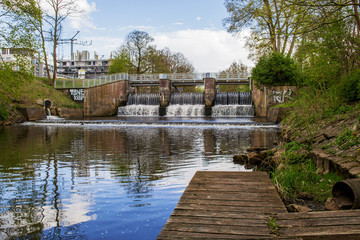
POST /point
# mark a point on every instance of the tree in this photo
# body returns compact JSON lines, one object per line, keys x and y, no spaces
{"x":17,"y":36}
{"x":137,"y":43}
{"x":15,"y":32}
{"x":165,"y":61}
{"x":324,"y":10}
{"x":274,"y":24}
{"x":121,"y":62}
{"x":138,"y":56}
{"x":59,"y":11}
{"x":276,"y":69}
{"x":237,"y":67}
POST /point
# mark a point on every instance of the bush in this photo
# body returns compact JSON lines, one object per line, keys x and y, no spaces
{"x":4,"y":113}
{"x":302,"y":177}
{"x":349,"y":87}
{"x":276,"y":70}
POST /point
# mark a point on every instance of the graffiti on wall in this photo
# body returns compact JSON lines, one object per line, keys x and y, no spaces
{"x":281,"y":96}
{"x":77,"y":94}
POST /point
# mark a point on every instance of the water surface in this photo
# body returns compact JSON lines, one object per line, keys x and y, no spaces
{"x":111,"y":178}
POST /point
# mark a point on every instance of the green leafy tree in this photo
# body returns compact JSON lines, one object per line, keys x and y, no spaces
{"x":276,"y":70}
{"x":138,"y":56}
{"x":329,"y":53}
{"x":274,"y":25}
{"x":165,"y":61}
{"x":324,"y":11}
{"x":121,"y":62}
{"x":17,"y":36}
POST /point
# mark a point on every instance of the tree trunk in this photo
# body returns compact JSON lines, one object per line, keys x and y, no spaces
{"x":356,"y":14}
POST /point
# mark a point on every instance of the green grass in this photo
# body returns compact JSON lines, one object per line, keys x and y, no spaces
{"x":302,"y":177}
{"x":39,"y":89}
{"x":273,"y":225}
{"x":347,"y":139}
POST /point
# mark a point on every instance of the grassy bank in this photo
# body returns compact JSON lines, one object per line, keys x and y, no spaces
{"x":318,"y":121}
{"x":28,"y":91}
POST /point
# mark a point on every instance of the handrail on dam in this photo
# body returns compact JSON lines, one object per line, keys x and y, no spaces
{"x":149,"y":78}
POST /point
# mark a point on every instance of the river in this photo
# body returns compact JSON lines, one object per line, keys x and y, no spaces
{"x":117,"y":178}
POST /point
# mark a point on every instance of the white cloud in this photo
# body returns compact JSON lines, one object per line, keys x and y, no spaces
{"x":83,"y":19}
{"x":138,"y":27}
{"x":80,"y":19}
{"x":198,"y":18}
{"x":208,"y":50}
{"x":179,"y":23}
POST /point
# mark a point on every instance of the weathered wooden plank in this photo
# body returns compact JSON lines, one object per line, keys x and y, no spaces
{"x":219,"y":221}
{"x":248,"y":202}
{"x":314,"y":222}
{"x":190,"y":235}
{"x":217,"y":229}
{"x":234,"y":189}
{"x":323,"y":214}
{"x":320,"y":230}
{"x":231,"y":196}
{"x":219,"y":214}
{"x":228,"y":174}
{"x":241,"y":208}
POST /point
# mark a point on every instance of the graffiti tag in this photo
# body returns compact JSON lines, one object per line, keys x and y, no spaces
{"x":77,"y":94}
{"x":281,"y":96}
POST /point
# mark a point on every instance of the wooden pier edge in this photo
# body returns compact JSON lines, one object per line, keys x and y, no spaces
{"x":239,"y":205}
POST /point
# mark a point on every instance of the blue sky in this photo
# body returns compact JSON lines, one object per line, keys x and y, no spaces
{"x":193,"y":27}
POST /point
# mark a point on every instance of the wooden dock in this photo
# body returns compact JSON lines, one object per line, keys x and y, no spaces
{"x":239,"y":205}
{"x":327,"y":225}
{"x":232,"y":205}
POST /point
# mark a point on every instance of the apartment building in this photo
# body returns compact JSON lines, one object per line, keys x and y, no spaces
{"x":82,"y":65}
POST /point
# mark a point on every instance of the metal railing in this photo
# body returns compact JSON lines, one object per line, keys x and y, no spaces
{"x":86,"y":83}
{"x":149,"y":78}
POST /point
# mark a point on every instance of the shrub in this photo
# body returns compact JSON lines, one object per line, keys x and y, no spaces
{"x":302,"y":177}
{"x":276,"y":70}
{"x":349,"y":87}
{"x":4,"y":113}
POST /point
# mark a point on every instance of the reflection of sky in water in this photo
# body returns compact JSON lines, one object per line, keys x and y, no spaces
{"x":106,"y":183}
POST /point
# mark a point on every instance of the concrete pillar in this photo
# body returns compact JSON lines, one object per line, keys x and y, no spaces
{"x":209,"y":90}
{"x":164,"y":91}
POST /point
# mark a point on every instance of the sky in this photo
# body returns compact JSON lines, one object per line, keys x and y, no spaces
{"x":192,"y":27}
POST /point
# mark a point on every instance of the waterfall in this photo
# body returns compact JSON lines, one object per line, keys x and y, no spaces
{"x":187,"y":99}
{"x":228,"y":104}
{"x":233,"y":98}
{"x":185,"y":110}
{"x":186,"y":105}
{"x":233,"y":104}
{"x":233,"y":111}
{"x":144,"y":104}
{"x":143,"y":99}
{"x":139,"y":110}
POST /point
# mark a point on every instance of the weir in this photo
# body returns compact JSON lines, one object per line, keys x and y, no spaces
{"x":227,"y":104}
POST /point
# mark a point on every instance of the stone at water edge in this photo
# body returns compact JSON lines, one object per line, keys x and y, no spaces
{"x":331,"y":205}
{"x":298,"y":208}
{"x":240,"y":159}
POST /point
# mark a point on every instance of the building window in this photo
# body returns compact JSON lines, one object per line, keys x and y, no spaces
{"x":88,"y":63}
{"x":72,"y":63}
{"x":64,"y":64}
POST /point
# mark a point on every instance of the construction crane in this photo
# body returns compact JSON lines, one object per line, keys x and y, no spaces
{"x":72,"y":41}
